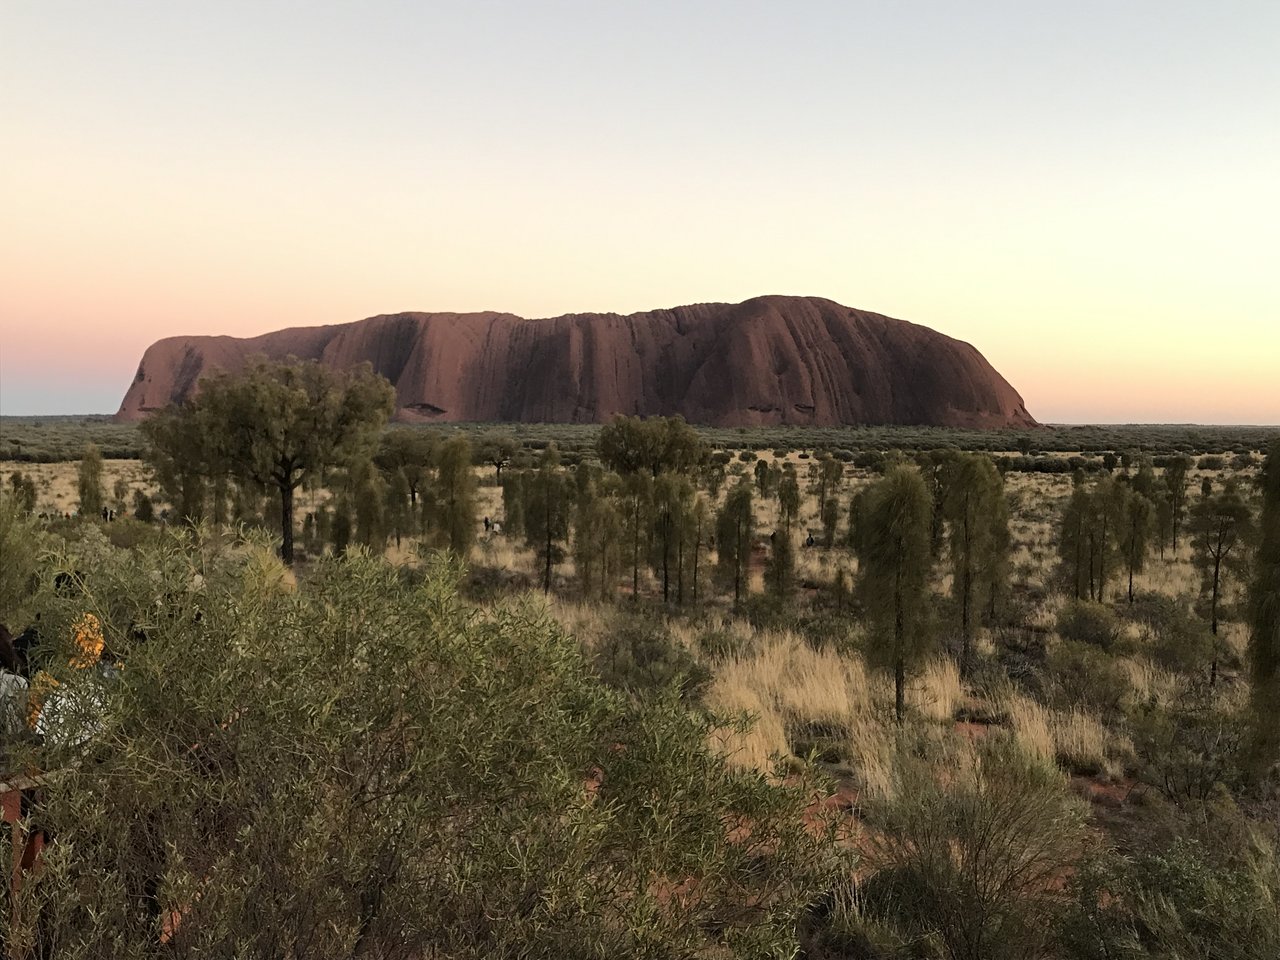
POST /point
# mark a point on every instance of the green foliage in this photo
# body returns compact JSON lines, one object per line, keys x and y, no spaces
{"x":1264,"y":635}
{"x":658,"y":445}
{"x":497,"y":450}
{"x":392,"y":774}
{"x":365,"y":491}
{"x":972,"y":498}
{"x":1212,"y":889}
{"x":21,"y":542}
{"x":89,"y":482}
{"x":830,"y":473}
{"x":1137,"y":527}
{"x":513,"y":502}
{"x":830,"y":520}
{"x":452,"y":497}
{"x":1089,"y":543}
{"x":1082,"y":675}
{"x":1177,"y":638}
{"x":61,"y":438}
{"x":23,"y":490}
{"x":1221,"y":526}
{"x":547,"y":511}
{"x":411,"y":452}
{"x":966,"y":863}
{"x":275,"y":424}
{"x":789,"y":496}
{"x":780,"y":567}
{"x":672,"y":502}
{"x":1192,"y":748}
{"x":893,"y":553}
{"x":597,"y":541}
{"x":398,"y":508}
{"x":1175,"y":478}
{"x":1086,"y":622}
{"x":640,"y":657}
{"x":735,"y":531}
{"x":143,"y":508}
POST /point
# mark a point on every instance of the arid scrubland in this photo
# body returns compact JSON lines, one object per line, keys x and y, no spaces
{"x":1070,"y":771}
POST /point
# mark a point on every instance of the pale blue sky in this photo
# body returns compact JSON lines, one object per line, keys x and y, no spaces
{"x":1086,"y":192}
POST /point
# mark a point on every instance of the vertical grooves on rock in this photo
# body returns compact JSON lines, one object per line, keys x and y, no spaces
{"x":769,"y":360}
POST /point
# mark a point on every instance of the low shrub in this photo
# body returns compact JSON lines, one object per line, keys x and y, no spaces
{"x":967,"y":861}
{"x":1087,"y":622}
{"x":1083,"y":675}
{"x":640,"y":656}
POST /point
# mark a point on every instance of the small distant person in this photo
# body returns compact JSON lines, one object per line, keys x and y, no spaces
{"x":488,"y":525}
{"x":809,"y":541}
{"x":13,"y":687}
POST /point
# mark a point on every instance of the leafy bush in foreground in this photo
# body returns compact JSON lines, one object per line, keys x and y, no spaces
{"x":356,"y":767}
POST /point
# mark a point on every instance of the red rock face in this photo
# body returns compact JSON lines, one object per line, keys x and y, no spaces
{"x":768,"y":361}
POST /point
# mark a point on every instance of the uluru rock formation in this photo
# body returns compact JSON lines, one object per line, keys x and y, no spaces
{"x":767,"y":361}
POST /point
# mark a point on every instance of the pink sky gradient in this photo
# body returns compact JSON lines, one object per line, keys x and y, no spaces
{"x":1086,"y":195}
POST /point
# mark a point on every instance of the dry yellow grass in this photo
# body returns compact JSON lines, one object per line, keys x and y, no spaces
{"x":56,"y":483}
{"x":1151,"y":683}
{"x":1070,"y":737}
{"x":797,"y":693}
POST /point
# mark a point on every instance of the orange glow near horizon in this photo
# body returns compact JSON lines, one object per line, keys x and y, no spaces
{"x":1105,"y":238}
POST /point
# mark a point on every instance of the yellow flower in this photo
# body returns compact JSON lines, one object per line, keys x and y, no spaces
{"x":88,"y":640}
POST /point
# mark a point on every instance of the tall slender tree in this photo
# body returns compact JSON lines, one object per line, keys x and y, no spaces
{"x":1073,"y":541}
{"x":972,"y":492}
{"x":513,"y":502}
{"x":454,"y":494}
{"x":89,"y":482}
{"x":1264,"y":615}
{"x":780,"y":570}
{"x":411,"y":450}
{"x":830,"y":472}
{"x":735,"y":527}
{"x":548,"y":504}
{"x":1138,"y":525}
{"x":672,"y":498}
{"x":597,"y":538}
{"x":789,"y":497}
{"x":497,"y":450}
{"x":1175,"y":479}
{"x":637,"y":505}
{"x":1221,"y":523}
{"x":894,"y":558}
{"x":697,"y":526}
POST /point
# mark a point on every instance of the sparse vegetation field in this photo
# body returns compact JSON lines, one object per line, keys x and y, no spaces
{"x":875,"y":694}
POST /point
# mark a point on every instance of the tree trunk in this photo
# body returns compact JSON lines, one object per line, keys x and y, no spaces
{"x":1102,"y":565}
{"x":899,"y":661}
{"x":680,"y":569}
{"x":286,"y":522}
{"x":966,"y":620}
{"x":666,"y":558}
{"x":697,"y":549}
{"x":899,"y":689}
{"x":635,"y":553}
{"x":737,"y":566}
{"x":546,"y":575}
{"x":1213,"y":620}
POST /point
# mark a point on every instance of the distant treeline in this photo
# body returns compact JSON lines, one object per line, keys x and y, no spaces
{"x":53,"y":439}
